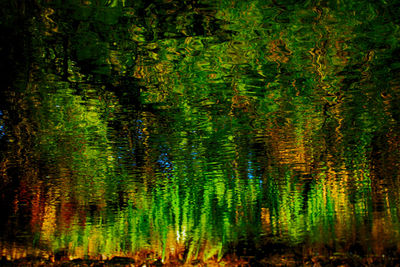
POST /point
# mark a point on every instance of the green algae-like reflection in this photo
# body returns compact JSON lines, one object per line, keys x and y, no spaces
{"x":199,"y":130}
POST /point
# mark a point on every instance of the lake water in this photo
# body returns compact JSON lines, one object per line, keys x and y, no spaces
{"x":239,"y":132}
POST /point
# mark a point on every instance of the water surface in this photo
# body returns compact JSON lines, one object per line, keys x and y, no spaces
{"x":199,"y":131}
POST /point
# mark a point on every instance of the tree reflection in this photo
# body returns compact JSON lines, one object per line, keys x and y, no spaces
{"x":191,"y":130}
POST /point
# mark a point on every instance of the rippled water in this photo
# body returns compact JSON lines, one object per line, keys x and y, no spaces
{"x":199,"y":131}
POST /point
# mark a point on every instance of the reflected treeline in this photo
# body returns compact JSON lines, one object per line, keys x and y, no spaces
{"x":196,"y":130}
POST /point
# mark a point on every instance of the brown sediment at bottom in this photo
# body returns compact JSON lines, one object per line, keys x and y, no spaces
{"x":245,"y":253}
{"x":229,"y":260}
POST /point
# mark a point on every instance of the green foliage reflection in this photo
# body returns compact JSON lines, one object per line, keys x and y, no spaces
{"x":195,"y":130}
